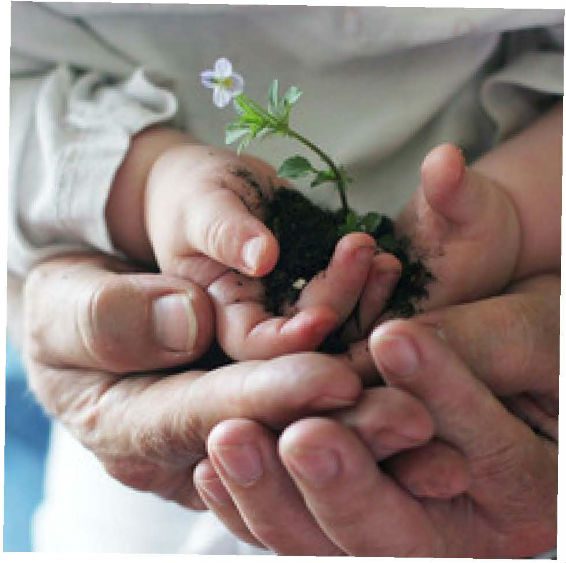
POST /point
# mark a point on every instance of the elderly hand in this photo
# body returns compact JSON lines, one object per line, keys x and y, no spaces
{"x":97,"y":337}
{"x":320,"y":492}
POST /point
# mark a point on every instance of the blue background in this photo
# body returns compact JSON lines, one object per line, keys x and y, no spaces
{"x":27,"y":436}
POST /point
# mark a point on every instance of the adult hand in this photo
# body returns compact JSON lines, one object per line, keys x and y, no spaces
{"x":504,"y":475}
{"x":96,"y":336}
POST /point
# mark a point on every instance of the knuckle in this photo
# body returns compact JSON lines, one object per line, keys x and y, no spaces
{"x":218,"y":237}
{"x":91,"y":320}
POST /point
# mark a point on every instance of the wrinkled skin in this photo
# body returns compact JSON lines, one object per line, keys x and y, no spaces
{"x":484,"y":486}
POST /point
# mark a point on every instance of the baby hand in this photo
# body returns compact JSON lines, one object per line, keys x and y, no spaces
{"x":464,"y":227}
{"x":203,"y":215}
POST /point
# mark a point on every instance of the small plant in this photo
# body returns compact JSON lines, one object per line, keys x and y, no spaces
{"x":256,"y":122}
{"x":307,"y":233}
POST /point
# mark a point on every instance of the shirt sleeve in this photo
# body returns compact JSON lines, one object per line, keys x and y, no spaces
{"x":70,"y":131}
{"x":531,"y":79}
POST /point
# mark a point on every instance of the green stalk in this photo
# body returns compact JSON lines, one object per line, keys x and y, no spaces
{"x":283,"y":127}
{"x":340,"y":184}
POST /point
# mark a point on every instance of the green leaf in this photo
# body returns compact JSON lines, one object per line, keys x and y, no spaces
{"x":273,"y":100}
{"x":295,"y":167}
{"x":264,"y":132}
{"x":235,"y":132}
{"x":323,"y":176}
{"x":292,"y":96}
{"x":370,"y":222}
{"x":244,"y":143}
{"x":350,"y":224}
{"x":388,"y":243}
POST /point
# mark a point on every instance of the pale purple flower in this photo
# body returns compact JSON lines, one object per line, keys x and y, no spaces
{"x":225,"y":83}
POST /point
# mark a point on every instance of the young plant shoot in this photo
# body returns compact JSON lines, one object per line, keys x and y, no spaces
{"x":307,"y":234}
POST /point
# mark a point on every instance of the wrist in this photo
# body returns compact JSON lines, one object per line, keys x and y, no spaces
{"x":125,"y":206}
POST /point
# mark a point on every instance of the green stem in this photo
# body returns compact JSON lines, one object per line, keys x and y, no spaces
{"x":283,"y":127}
{"x":341,"y":185}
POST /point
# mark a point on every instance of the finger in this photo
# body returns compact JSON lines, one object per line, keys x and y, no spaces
{"x":360,"y":509}
{"x":388,"y":421}
{"x":381,"y":281}
{"x":465,"y":413}
{"x":222,"y":227}
{"x":305,"y":383}
{"x":245,"y":330}
{"x":449,"y":188}
{"x":434,"y":470}
{"x":512,"y":340}
{"x":340,"y":285}
{"x":173,"y":415}
{"x":397,"y":428}
{"x":219,"y":501}
{"x":244,"y":454}
{"x":84,"y":311}
{"x":220,"y":199}
{"x":148,"y":430}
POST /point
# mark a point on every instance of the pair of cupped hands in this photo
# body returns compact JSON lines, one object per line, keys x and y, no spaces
{"x":302,"y":453}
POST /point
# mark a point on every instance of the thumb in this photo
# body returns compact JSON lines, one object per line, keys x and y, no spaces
{"x":450,"y":189}
{"x":90,"y":311}
{"x":207,"y":202}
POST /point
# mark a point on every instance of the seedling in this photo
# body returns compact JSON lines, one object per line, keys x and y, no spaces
{"x":307,"y":234}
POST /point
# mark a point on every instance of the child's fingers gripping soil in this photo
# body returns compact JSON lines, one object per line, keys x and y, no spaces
{"x":246,"y":330}
{"x":341,"y":284}
{"x":382,"y":278}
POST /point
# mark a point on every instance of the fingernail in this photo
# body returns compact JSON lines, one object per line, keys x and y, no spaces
{"x":316,"y":466}
{"x":241,"y":463}
{"x":397,"y":355}
{"x":251,"y":253}
{"x":175,"y":322}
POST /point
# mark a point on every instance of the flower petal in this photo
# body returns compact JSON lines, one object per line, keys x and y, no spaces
{"x":208,"y":78}
{"x":223,"y":68}
{"x":221,"y":97}
{"x":237,"y":84}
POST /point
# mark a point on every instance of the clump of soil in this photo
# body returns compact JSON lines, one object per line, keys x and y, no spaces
{"x":307,"y":236}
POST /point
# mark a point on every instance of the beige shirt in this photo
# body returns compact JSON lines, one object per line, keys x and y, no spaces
{"x":381,"y":87}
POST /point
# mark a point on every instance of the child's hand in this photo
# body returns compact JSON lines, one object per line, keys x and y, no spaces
{"x":203,"y":208}
{"x":464,"y":226}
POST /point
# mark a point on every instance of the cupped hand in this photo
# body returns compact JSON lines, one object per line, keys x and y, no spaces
{"x":484,"y":486}
{"x":97,"y":337}
{"x":204,"y":211}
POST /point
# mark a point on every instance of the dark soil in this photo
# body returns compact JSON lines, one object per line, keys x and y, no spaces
{"x":307,"y":236}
